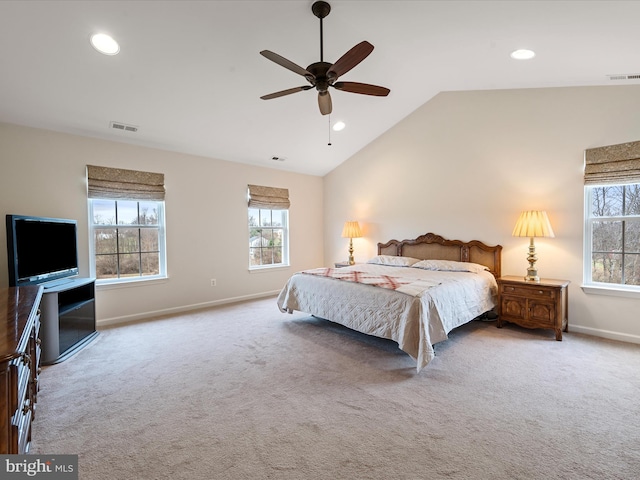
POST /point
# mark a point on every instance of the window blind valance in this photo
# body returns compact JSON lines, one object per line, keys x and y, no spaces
{"x":268,"y":197}
{"x":612,"y":164}
{"x":118,"y":183}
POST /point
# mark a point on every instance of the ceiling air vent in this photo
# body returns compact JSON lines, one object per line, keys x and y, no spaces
{"x":625,"y":76}
{"x":123,"y":126}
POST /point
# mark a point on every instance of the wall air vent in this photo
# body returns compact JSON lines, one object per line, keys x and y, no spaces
{"x":123,"y":126}
{"x":625,"y":76}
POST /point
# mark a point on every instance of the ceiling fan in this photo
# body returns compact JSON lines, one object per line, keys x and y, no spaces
{"x":323,"y":75}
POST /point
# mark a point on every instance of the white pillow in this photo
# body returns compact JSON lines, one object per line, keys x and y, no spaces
{"x":450,"y":266}
{"x":394,"y":261}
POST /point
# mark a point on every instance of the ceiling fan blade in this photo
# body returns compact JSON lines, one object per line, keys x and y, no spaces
{"x":350,"y":59}
{"x":288,"y":91}
{"x":362,"y":88}
{"x":288,"y":64}
{"x":324,"y":102}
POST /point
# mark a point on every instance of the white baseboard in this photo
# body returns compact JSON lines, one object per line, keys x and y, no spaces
{"x":185,"y":308}
{"x":596,"y":332}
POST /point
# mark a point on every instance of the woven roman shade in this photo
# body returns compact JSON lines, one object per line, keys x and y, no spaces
{"x":118,"y":183}
{"x":268,"y":197}
{"x":617,"y":164}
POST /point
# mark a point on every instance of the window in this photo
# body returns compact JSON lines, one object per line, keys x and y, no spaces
{"x":127,"y":239}
{"x":268,"y":222}
{"x":613,"y":234}
{"x":612,"y":219}
{"x":267,"y":237}
{"x":126,"y":224}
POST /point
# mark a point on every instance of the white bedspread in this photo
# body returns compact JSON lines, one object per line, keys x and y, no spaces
{"x":415,"y":322}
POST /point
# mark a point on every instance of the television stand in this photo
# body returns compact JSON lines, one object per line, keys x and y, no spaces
{"x":68,"y":318}
{"x":56,"y":283}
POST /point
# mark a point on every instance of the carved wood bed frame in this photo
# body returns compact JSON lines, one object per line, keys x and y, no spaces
{"x":434,"y":247}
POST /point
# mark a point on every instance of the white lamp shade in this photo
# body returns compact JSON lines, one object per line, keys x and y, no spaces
{"x":533,"y":223}
{"x":351,"y":230}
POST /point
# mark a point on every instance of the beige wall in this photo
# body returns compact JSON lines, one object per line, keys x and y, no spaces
{"x":463,"y":165}
{"x":466,"y":163}
{"x":43,"y":173}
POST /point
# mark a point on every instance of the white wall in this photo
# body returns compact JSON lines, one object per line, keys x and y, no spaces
{"x":43,"y":173}
{"x":466,"y":163}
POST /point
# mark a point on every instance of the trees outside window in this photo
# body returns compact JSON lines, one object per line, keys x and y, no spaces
{"x":128,"y":239}
{"x":613,"y":235}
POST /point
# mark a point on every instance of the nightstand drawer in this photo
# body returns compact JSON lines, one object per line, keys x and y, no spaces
{"x":528,"y":291}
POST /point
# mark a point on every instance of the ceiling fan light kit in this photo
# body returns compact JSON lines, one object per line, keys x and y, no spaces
{"x":322,"y":75}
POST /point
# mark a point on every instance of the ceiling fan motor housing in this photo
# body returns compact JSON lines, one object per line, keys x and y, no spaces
{"x":320,"y":79}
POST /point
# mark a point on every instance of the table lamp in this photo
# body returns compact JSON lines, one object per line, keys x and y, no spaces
{"x":533,"y":224}
{"x":351,"y":230}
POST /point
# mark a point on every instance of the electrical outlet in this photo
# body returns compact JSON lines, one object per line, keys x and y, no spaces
{"x":213,"y":282}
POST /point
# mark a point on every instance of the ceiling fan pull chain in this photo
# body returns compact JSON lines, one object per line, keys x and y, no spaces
{"x":329,"y":124}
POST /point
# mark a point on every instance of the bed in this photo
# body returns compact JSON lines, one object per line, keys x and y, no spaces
{"x":413,"y":292}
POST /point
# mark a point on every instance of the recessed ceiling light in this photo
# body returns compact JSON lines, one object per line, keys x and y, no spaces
{"x":105,"y":44}
{"x":523,"y":54}
{"x":338,"y":126}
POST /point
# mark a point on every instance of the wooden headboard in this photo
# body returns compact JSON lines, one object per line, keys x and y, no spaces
{"x":434,"y":247}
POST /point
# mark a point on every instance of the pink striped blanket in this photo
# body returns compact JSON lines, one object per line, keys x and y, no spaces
{"x":410,"y":286}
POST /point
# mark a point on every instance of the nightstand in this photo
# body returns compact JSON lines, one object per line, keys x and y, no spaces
{"x":541,"y":304}
{"x":341,"y":264}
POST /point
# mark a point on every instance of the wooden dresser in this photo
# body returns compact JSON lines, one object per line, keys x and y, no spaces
{"x":19,"y":365}
{"x":541,"y":304}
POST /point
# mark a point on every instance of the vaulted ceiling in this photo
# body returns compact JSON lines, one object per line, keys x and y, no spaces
{"x":189,"y":74}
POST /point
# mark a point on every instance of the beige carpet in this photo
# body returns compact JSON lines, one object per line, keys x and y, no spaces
{"x":245,"y":392}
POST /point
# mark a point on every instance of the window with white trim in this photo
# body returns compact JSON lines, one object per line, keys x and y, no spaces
{"x":268,"y":224}
{"x":268,"y":237}
{"x":126,"y":224}
{"x":612,"y":218}
{"x":612,"y":235}
{"x":128,"y":239}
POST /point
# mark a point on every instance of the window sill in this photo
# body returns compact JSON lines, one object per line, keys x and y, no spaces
{"x":611,"y":291}
{"x":268,"y":268}
{"x":136,"y":282}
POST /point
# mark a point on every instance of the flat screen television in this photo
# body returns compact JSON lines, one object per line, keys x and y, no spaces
{"x":40,"y":249}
